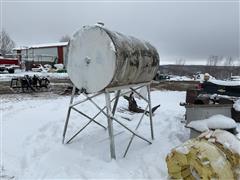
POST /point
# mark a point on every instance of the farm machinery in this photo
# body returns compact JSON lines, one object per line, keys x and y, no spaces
{"x":28,"y":83}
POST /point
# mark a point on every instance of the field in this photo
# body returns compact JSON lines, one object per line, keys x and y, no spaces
{"x":31,"y":135}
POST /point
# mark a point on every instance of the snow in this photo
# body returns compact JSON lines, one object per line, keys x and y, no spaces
{"x":213,"y":122}
{"x":200,"y":76}
{"x":225,"y":83}
{"x":32,"y":128}
{"x":235,"y":78}
{"x":49,"y":45}
{"x":225,"y":138}
{"x":19,"y":73}
{"x":236,"y":105}
{"x":183,"y":149}
{"x":180,"y":78}
{"x":59,"y":66}
{"x":42,"y":45}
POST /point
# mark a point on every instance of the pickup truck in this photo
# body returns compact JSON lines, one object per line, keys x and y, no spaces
{"x":9,"y":64}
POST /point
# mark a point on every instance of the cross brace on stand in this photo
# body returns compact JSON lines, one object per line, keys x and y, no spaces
{"x":110,"y":112}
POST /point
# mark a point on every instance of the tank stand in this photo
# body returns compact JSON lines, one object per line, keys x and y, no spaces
{"x":109,"y":113}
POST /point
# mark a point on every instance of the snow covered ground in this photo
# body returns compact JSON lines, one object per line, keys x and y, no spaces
{"x":180,"y":78}
{"x":7,"y":77}
{"x":32,"y":133}
{"x":236,"y":105}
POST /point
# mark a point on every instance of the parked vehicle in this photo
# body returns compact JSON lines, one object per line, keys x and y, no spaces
{"x":9,"y":64}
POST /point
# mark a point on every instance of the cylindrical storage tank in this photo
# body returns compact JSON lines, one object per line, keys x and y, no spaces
{"x":99,"y":58}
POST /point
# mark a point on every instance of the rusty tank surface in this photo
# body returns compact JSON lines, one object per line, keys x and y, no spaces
{"x":99,"y":58}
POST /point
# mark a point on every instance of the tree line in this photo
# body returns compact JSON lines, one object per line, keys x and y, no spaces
{"x":214,"y":60}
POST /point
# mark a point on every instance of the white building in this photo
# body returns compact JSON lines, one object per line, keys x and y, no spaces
{"x":52,"y":53}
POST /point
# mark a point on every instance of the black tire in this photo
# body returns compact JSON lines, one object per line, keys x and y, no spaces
{"x":11,"y":71}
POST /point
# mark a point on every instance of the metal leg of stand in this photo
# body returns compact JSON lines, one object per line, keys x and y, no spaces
{"x":116,"y":102}
{"x":110,"y":125}
{"x":92,"y":119}
{"x":134,"y":90}
{"x":150,"y":110}
{"x":68,"y":114}
{"x":130,"y":142}
{"x":84,"y":100}
{"x":136,"y":134}
{"x":78,"y":132}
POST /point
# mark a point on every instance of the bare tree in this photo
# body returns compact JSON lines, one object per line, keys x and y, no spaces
{"x":180,"y":61}
{"x":6,"y":43}
{"x":229,"y":61}
{"x":236,"y":61}
{"x":65,"y":38}
{"x":212,"y":63}
{"x":213,"y":60}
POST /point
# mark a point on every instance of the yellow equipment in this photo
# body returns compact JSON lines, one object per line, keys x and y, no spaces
{"x":213,"y":155}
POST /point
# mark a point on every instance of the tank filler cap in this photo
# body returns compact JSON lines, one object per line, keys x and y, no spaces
{"x":99,"y":23}
{"x":87,"y":60}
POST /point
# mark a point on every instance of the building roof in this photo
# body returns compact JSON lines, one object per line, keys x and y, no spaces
{"x":58,"y":44}
{"x":20,"y":48}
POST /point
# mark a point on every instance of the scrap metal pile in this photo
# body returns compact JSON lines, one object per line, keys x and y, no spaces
{"x":133,"y":107}
{"x":215,"y":154}
{"x":213,"y":93}
{"x":29,"y":84}
{"x":224,"y":92}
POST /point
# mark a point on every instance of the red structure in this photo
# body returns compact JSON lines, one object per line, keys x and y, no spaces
{"x":9,"y":61}
{"x":60,"y":54}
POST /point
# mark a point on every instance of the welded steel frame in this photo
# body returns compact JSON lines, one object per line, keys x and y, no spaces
{"x":110,"y":112}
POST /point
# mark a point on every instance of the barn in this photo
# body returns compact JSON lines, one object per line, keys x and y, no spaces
{"x":50,"y":53}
